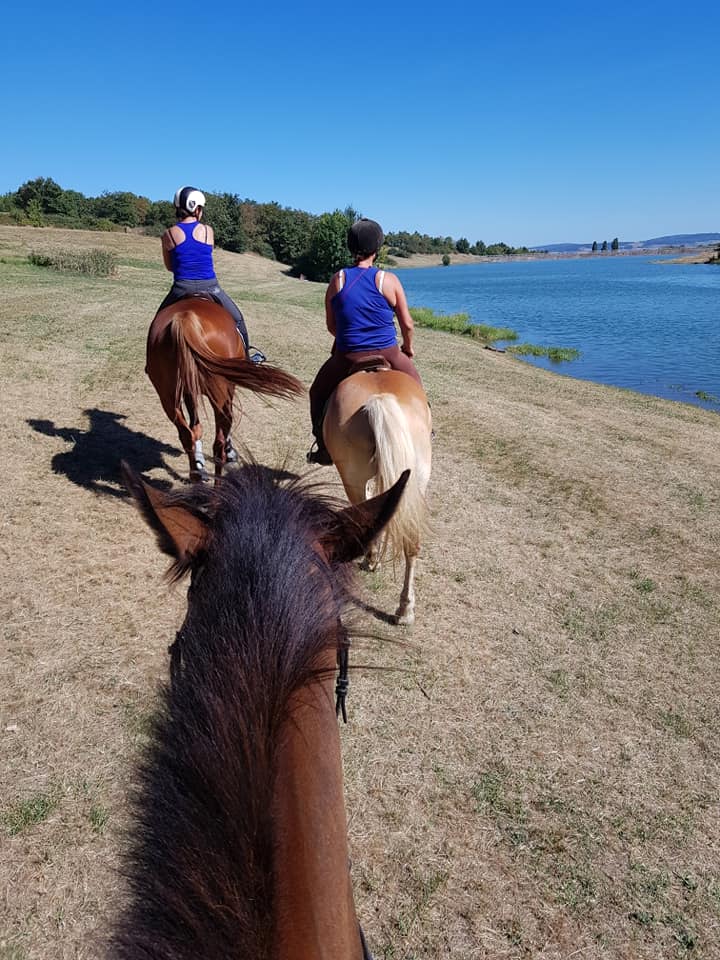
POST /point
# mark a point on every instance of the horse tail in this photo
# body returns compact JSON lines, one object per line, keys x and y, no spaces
{"x":201,"y":371}
{"x":394,"y":452}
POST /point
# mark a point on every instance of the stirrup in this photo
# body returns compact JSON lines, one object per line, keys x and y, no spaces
{"x":256,"y":356}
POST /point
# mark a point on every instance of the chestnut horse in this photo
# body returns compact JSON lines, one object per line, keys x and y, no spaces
{"x":194,"y":350}
{"x":378,"y":424}
{"x":241,"y":844}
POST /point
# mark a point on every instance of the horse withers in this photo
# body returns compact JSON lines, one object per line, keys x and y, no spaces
{"x":239,"y":830}
{"x":378,"y":424}
{"x":193,"y":350}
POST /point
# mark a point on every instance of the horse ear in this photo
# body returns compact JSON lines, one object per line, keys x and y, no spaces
{"x":180,"y":533}
{"x":356,"y":527}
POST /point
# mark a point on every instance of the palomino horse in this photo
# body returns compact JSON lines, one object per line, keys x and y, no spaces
{"x":194,"y":350}
{"x":377,"y":425}
{"x":241,"y":844}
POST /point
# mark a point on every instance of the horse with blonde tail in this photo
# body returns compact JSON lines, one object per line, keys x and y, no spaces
{"x":377,"y":425}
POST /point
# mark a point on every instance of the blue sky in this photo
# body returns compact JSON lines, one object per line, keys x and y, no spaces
{"x":531,"y":123}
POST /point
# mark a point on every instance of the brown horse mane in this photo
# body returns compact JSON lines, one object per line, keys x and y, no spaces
{"x":263,"y":605}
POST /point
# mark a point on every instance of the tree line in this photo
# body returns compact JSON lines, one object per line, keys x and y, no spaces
{"x":313,"y":245}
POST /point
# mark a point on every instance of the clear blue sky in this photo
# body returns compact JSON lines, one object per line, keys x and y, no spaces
{"x":524,"y":122}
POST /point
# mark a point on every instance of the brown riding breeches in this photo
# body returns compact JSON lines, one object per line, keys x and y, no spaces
{"x":338,"y":366}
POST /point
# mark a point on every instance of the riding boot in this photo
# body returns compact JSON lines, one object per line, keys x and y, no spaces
{"x":320,"y":454}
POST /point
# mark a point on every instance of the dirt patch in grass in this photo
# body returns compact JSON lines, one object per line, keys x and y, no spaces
{"x":541,"y":778}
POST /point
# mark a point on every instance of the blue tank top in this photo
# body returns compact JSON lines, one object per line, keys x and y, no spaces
{"x":363,"y":317}
{"x":192,"y":259}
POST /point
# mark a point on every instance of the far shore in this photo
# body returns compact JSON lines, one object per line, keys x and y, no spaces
{"x":684,"y":255}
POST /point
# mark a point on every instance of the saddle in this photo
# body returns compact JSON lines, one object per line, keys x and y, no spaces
{"x":203,"y":295}
{"x":368,"y":365}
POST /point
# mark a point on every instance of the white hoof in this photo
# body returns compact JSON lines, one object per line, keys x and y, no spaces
{"x":404,"y":618}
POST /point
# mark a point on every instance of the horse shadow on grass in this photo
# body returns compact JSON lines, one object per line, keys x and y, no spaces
{"x":93,"y":462}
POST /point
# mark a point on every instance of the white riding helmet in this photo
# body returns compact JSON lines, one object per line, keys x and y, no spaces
{"x":188,"y":198}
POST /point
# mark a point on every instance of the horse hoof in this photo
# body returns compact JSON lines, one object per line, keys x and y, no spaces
{"x":405,"y":619}
{"x":198,"y":474}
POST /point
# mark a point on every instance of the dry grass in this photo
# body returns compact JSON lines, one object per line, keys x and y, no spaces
{"x":541,"y":781}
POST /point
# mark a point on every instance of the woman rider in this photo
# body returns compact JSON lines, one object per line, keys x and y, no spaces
{"x":360,"y":303}
{"x":188,"y":253}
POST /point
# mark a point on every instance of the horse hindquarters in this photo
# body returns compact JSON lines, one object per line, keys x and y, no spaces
{"x":377,"y":425}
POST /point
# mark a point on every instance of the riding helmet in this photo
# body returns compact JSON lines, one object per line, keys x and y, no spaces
{"x":189,"y":199}
{"x":365,"y":237}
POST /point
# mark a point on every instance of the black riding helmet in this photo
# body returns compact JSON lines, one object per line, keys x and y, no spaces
{"x":365,"y":237}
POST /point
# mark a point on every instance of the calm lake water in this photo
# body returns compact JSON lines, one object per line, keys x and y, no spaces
{"x":639,"y":322}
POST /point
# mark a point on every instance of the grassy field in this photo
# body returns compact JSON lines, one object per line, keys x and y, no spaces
{"x":541,"y":778}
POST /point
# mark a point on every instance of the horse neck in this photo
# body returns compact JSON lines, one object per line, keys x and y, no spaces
{"x":314,"y":910}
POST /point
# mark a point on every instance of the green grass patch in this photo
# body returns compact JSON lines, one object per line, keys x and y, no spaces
{"x":459,"y":323}
{"x":93,"y":263}
{"x":99,"y":816}
{"x":26,"y":813}
{"x":554,"y":354}
{"x":642,"y":584}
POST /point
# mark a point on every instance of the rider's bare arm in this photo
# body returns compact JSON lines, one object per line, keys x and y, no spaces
{"x":168,"y":243}
{"x":395,"y":296}
{"x":332,"y":289}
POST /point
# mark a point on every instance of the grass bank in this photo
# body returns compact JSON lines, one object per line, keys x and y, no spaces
{"x":460,"y":324}
{"x":541,"y":778}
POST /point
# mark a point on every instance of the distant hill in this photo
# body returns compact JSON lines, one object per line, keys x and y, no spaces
{"x":674,"y":240}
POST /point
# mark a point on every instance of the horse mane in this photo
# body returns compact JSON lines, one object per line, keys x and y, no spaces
{"x":263,"y":607}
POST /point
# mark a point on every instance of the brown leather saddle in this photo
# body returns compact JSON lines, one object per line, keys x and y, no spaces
{"x":368,"y":365}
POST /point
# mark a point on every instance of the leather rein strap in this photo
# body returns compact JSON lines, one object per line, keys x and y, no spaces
{"x":342,"y":684}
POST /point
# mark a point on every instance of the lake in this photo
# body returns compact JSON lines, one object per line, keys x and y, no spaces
{"x":641,"y":322}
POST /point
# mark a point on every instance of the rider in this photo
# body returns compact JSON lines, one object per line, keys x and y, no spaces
{"x":360,"y":302}
{"x":188,"y":253}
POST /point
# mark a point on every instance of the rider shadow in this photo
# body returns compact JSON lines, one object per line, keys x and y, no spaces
{"x":94,"y":460}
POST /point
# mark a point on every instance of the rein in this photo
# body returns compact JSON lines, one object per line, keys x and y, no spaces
{"x":342,"y":684}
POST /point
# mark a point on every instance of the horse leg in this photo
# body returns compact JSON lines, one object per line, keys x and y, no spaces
{"x":405,"y":613}
{"x":193,"y":444}
{"x":231,"y":455}
{"x":223,"y":450}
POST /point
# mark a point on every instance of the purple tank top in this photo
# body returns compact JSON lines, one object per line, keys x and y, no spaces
{"x":192,"y":259}
{"x":363,"y":317}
